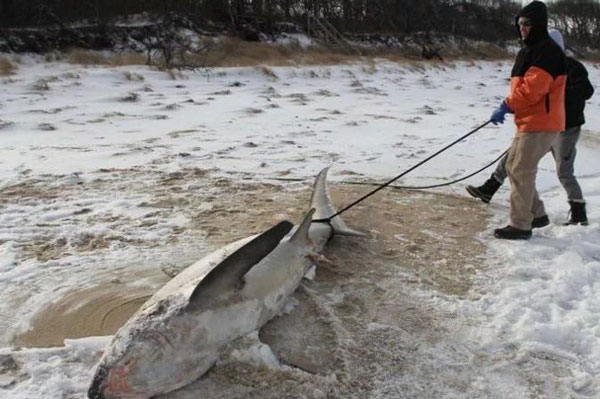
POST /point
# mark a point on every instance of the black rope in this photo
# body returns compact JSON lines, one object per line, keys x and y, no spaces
{"x":360,"y":183}
{"x":381,"y":187}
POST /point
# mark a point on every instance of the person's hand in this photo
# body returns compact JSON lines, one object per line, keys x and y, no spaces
{"x":498,"y":114}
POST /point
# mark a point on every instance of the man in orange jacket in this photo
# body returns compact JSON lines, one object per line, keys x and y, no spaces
{"x":537,"y":99}
{"x":564,"y":151}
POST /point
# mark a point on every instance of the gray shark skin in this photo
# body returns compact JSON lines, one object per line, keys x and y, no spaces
{"x":175,"y":337}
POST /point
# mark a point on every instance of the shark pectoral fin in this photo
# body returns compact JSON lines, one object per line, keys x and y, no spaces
{"x":227,"y":275}
{"x":301,"y":234}
{"x":317,"y":350}
{"x":317,"y":258}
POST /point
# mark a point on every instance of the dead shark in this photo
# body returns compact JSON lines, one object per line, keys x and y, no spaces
{"x":175,"y":337}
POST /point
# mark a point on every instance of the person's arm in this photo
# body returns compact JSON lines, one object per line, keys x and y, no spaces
{"x":589,"y":89}
{"x":578,"y":83}
{"x":537,"y":80}
{"x":535,"y":85}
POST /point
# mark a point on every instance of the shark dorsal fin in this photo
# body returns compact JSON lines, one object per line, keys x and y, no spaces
{"x":301,"y":233}
{"x":227,"y":275}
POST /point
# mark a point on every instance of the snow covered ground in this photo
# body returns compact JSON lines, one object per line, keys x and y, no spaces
{"x":106,"y":175}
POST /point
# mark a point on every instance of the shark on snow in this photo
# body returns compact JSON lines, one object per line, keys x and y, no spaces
{"x":175,"y":337}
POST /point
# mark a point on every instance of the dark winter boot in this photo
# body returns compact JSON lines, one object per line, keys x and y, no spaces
{"x":486,"y":191}
{"x":578,"y":215}
{"x":512,"y":233}
{"x":539,"y":222}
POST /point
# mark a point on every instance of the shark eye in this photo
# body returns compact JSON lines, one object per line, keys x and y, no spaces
{"x":159,"y":308}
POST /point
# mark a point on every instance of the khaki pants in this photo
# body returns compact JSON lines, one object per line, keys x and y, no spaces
{"x":564,"y":151}
{"x":525,"y":153}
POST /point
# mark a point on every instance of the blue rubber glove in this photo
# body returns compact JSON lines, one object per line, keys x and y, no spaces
{"x":498,"y":114}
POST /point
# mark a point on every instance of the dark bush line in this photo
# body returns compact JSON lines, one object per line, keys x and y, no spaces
{"x":488,"y":20}
{"x":469,"y":18}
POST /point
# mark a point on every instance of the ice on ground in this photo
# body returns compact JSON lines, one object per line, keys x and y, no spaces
{"x":112,"y":179}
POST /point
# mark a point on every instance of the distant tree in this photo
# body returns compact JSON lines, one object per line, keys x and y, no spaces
{"x":6,"y":12}
{"x":482,"y":19}
{"x":579,"y":20}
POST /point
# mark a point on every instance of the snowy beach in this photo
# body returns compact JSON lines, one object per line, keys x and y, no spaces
{"x":113,"y":179}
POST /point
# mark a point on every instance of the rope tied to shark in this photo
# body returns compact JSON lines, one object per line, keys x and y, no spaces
{"x":388,"y":183}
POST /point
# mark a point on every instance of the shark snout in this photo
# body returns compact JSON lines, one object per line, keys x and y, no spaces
{"x":97,"y":387}
{"x":113,"y":382}
{"x":95,"y":394}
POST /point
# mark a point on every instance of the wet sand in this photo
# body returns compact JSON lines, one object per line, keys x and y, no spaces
{"x":359,"y":322}
{"x":97,"y":311}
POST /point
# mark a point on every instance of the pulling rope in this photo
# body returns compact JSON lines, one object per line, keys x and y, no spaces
{"x":381,"y":187}
{"x":359,"y":183}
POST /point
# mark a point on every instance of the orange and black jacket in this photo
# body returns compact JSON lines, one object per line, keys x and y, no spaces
{"x":538,"y":77}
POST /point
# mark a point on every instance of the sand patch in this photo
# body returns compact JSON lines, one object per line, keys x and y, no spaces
{"x":362,"y":320}
{"x":97,"y":311}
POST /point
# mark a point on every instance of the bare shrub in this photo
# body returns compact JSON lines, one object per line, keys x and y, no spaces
{"x":7,"y":67}
{"x":132,"y":76}
{"x":233,"y":52}
{"x":123,"y":59}
{"x":89,"y":57}
{"x":52,"y":57}
{"x":416,"y":66}
{"x":370,"y":68}
{"x":268,"y":72}
{"x":595,"y":56}
{"x":86,"y":57}
{"x":71,"y":75}
{"x":174,"y":74}
{"x":41,"y":85}
{"x":484,"y":50}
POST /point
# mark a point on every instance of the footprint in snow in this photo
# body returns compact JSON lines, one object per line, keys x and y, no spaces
{"x":221,"y":93}
{"x":4,"y":124}
{"x":47,"y":127}
{"x":427,"y":110}
{"x":370,"y":90}
{"x":326,"y":93}
{"x":253,"y":111}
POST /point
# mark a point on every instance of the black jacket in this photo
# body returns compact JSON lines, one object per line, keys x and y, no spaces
{"x":578,"y":90}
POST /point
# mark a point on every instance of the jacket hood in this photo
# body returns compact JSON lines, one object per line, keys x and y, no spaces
{"x":558,"y":38}
{"x":537,"y":12}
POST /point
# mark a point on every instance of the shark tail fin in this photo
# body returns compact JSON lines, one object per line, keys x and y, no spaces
{"x":340,"y":229}
{"x":321,"y":201}
{"x":301,"y":234}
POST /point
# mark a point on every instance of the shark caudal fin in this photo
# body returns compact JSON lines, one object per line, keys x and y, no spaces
{"x":324,"y":208}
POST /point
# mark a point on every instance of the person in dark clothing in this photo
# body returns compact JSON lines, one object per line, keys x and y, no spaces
{"x":578,"y":90}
